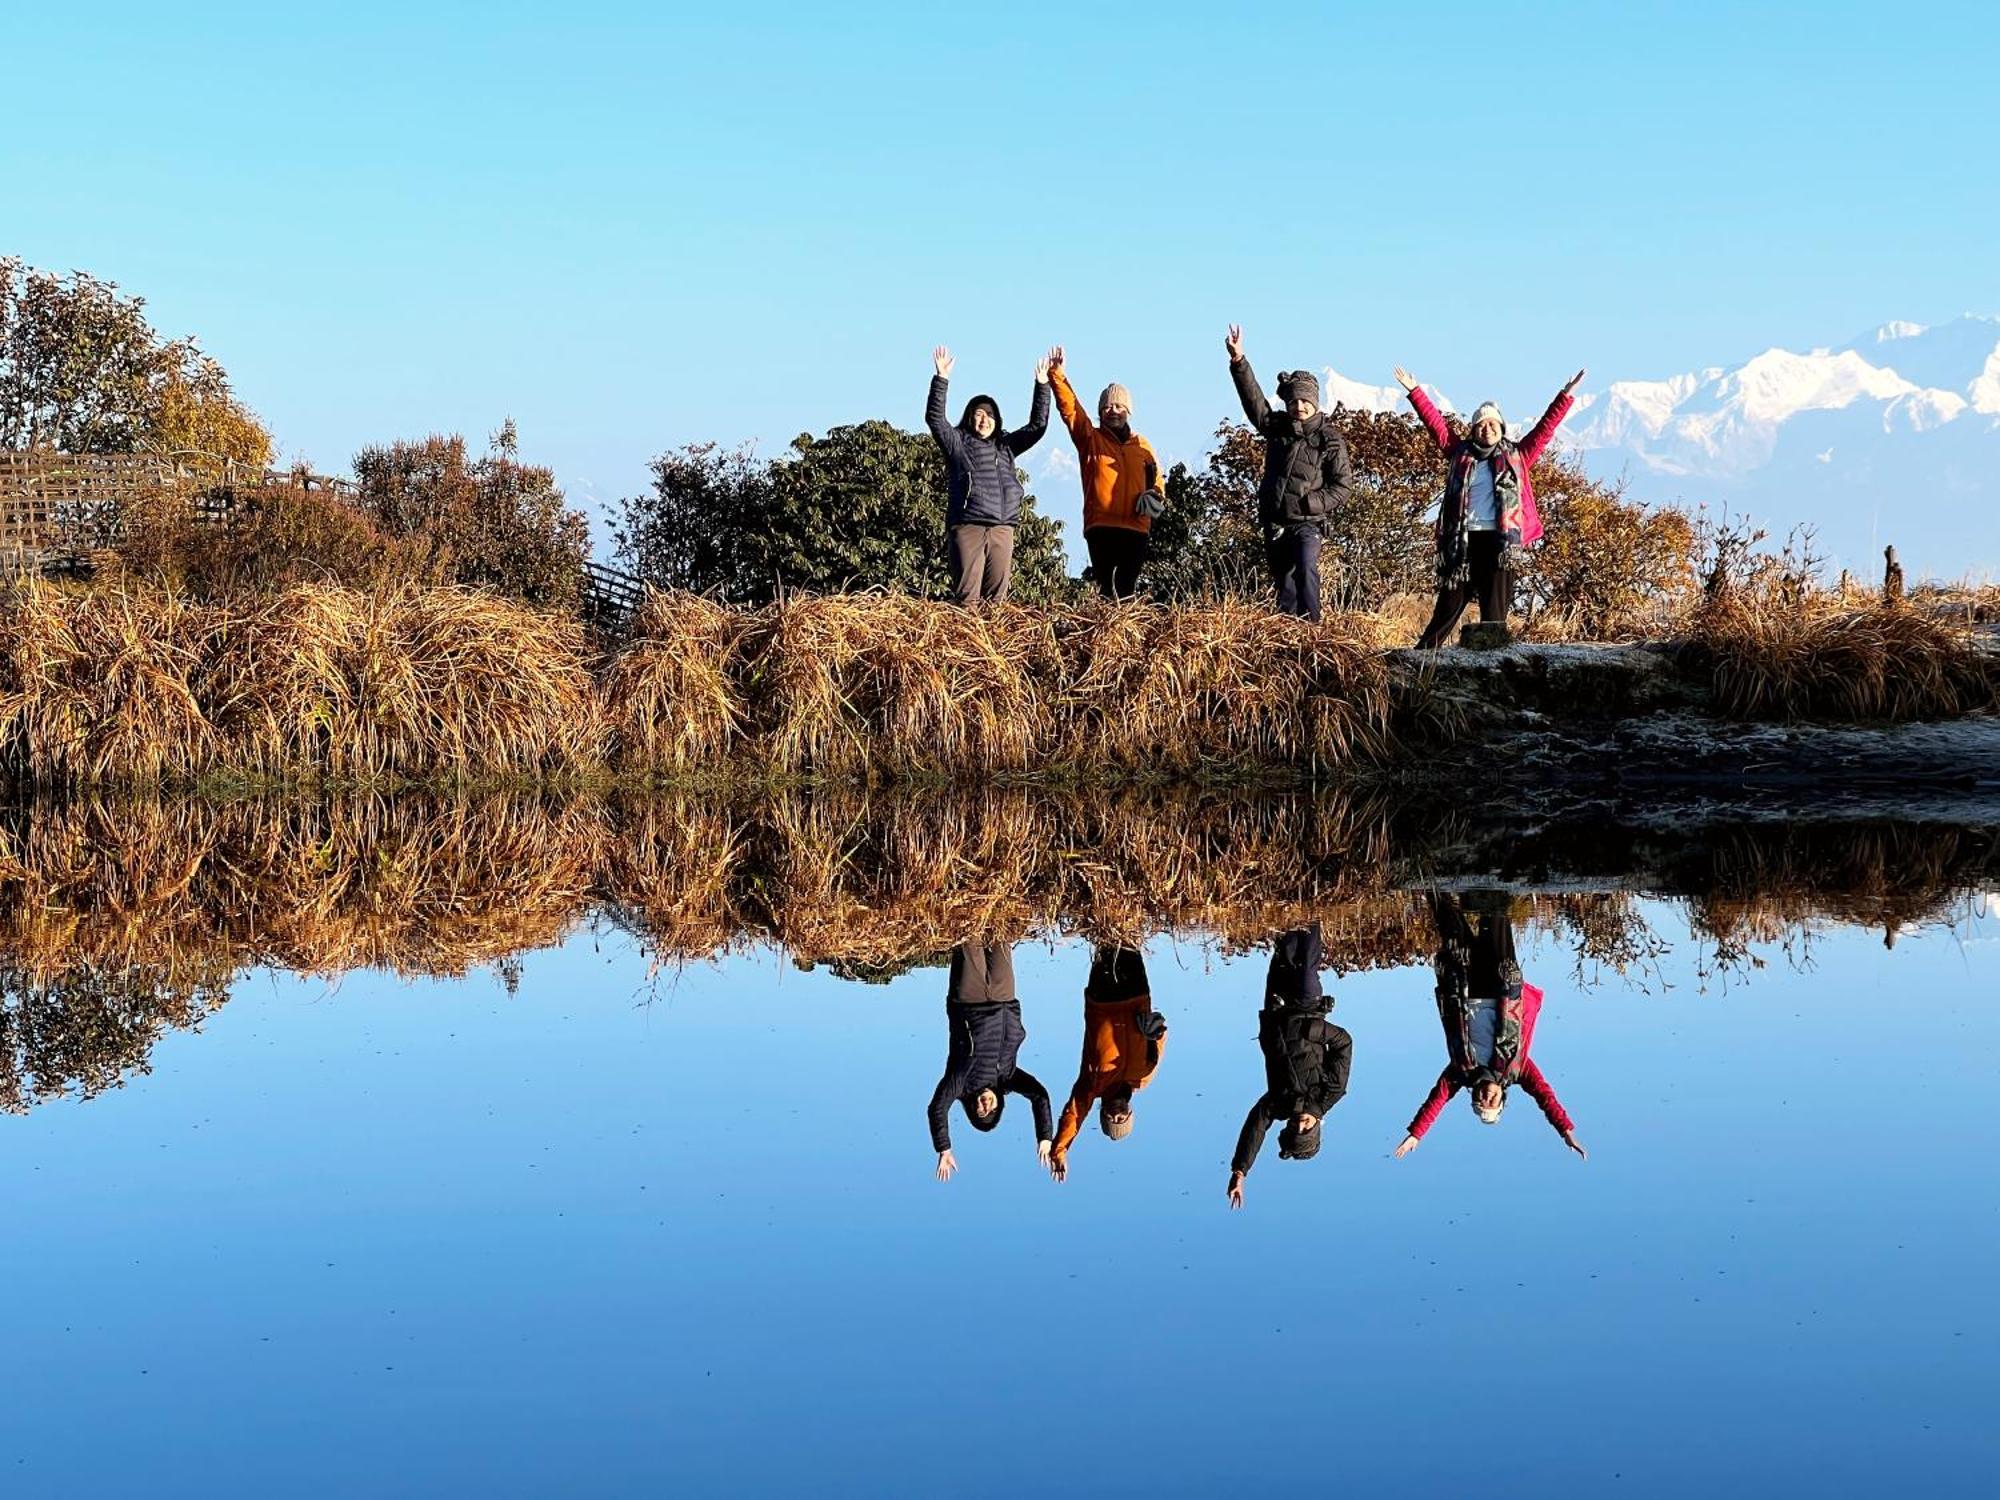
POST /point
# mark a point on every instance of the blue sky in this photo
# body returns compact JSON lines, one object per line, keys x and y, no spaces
{"x":631,"y":228}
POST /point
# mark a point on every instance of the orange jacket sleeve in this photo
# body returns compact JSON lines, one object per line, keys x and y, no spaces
{"x":1071,"y":409}
{"x":1071,"y":1122}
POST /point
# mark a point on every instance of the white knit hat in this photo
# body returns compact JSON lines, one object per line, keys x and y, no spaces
{"x":1487,"y":409}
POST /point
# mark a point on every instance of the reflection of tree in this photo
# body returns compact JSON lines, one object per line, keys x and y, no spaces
{"x":80,"y":1031}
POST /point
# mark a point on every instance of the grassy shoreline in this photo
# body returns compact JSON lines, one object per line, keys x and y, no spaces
{"x":425,"y":686}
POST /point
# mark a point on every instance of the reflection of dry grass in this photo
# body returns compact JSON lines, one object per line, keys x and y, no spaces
{"x":1891,"y":876}
{"x":120,"y":918}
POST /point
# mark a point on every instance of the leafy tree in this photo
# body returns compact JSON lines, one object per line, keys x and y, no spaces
{"x":861,"y":507}
{"x":500,"y":524}
{"x":81,"y":370}
{"x":1205,"y":543}
{"x":1607,"y":565}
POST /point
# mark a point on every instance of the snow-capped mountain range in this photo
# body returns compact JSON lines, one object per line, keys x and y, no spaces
{"x":1894,"y":437}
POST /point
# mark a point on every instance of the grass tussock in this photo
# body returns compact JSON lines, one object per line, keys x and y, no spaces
{"x":126,"y":683}
{"x":671,"y":701}
{"x":1804,"y":657}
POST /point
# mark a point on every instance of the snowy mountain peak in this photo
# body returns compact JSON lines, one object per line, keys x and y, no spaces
{"x":1891,"y":331}
{"x":1336,"y":389}
{"x":1778,"y":384}
{"x":1894,"y":436}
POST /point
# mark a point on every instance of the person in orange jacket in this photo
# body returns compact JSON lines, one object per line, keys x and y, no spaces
{"x":1123,"y":1037}
{"x":1121,"y":482}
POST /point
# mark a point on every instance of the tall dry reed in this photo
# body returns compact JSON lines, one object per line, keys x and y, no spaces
{"x":125,"y":683}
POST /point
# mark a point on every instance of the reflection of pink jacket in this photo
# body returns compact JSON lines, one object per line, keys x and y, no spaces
{"x":1461,"y":1068}
{"x":1521,"y":457}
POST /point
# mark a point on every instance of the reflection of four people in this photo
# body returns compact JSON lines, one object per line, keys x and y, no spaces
{"x":1487,"y":1011}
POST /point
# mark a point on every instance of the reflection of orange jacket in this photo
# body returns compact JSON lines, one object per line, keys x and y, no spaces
{"x":1114,"y":1052}
{"x":1115,"y":474}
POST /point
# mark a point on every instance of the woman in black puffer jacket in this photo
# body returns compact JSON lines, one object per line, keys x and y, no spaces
{"x":982,"y":1065}
{"x":985,"y":489}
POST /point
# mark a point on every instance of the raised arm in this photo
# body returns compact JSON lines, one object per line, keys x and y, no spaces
{"x":1067,"y":406}
{"x":1537,"y":1089}
{"x":1427,"y":412}
{"x":1250,"y":1139}
{"x":1255,"y":406}
{"x":1433,"y":1105}
{"x":1021,"y":439}
{"x":940,"y":1112}
{"x":1543,"y":432}
{"x":1074,"y":1109}
{"x":1030,"y":1087}
{"x":935,"y":417}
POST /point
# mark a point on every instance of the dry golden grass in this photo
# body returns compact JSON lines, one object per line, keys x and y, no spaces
{"x":671,"y":700}
{"x":121,"y":918}
{"x":128,"y":684}
{"x":1774,"y":655}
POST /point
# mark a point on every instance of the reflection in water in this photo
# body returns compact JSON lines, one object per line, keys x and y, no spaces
{"x":1306,"y":1058}
{"x":982,"y":1064}
{"x":1123,"y":1037}
{"x":121,"y":920}
{"x":1489,"y":1013}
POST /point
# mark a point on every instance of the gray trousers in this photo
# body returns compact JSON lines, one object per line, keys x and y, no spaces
{"x":981,"y":973}
{"x":981,"y":561}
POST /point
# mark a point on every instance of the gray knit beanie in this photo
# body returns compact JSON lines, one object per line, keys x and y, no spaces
{"x":1301,"y":385}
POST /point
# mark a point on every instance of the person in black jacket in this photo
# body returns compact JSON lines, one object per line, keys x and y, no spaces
{"x":980,"y":1068}
{"x":986,"y":496}
{"x":1306,"y":1058}
{"x":1307,"y":477}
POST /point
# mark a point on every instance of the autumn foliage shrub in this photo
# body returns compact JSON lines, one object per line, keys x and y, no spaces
{"x":495,"y":523}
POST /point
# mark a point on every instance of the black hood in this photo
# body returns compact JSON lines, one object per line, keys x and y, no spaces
{"x":965,"y":418}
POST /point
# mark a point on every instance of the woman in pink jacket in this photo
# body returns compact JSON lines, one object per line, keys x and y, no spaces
{"x":1488,"y":515}
{"x":1489,"y":1017}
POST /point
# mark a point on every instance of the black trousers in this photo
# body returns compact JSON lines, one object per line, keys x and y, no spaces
{"x":1116,"y":974}
{"x":1116,"y":555}
{"x":1491,"y":583}
{"x":1294,"y":564}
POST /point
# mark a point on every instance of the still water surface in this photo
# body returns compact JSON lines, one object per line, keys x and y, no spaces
{"x":622,"y":1231}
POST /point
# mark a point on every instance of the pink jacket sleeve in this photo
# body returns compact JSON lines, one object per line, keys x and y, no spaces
{"x":1536,"y":438}
{"x":1539,"y":1091}
{"x":1432,"y":418}
{"x":1434,"y":1103}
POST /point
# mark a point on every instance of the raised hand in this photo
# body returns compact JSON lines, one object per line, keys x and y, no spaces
{"x":1042,"y":370}
{"x":941,"y":361}
{"x":1569,"y":1137}
{"x":1409,"y":1145}
{"x":1409,"y":382}
{"x":1055,"y":357}
{"x":1235,"y":1189}
{"x":947,"y":1164}
{"x":1234,"y":343}
{"x":1574,"y":381}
